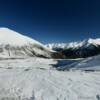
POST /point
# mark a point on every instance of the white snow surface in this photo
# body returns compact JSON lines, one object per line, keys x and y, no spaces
{"x":89,"y":64}
{"x":75,"y":44}
{"x":94,"y":41}
{"x":8,"y":36}
{"x":16,"y":45}
{"x":35,"y":79}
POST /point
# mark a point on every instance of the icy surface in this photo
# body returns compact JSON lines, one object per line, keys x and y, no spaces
{"x":35,"y":79}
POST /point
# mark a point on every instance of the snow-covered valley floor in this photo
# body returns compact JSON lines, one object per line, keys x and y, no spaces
{"x":35,"y":79}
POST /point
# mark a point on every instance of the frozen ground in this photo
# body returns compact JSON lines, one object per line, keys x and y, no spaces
{"x":35,"y":79}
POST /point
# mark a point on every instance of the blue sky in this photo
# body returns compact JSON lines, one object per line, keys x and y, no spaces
{"x":52,"y":20}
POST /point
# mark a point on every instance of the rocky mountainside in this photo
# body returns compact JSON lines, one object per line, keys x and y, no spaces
{"x":82,"y":49}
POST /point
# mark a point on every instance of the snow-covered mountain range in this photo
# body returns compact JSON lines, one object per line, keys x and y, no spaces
{"x":14,"y":44}
{"x":78,"y":44}
{"x":85,"y":48}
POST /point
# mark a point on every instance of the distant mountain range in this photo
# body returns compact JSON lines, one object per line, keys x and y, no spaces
{"x":16,"y":45}
{"x":81,"y":49}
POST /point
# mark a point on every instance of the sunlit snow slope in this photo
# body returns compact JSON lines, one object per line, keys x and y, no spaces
{"x":13,"y":44}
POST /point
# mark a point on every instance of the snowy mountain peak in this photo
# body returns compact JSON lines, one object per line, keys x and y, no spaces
{"x":8,"y":36}
{"x":14,"y":44}
{"x":94,"y":41}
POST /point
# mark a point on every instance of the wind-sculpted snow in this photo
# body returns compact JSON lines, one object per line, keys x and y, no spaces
{"x":36,"y":79}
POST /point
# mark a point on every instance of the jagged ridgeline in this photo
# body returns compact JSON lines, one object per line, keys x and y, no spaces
{"x":83,"y":49}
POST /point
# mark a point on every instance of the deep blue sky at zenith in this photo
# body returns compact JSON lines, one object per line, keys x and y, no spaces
{"x":52,"y":20}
